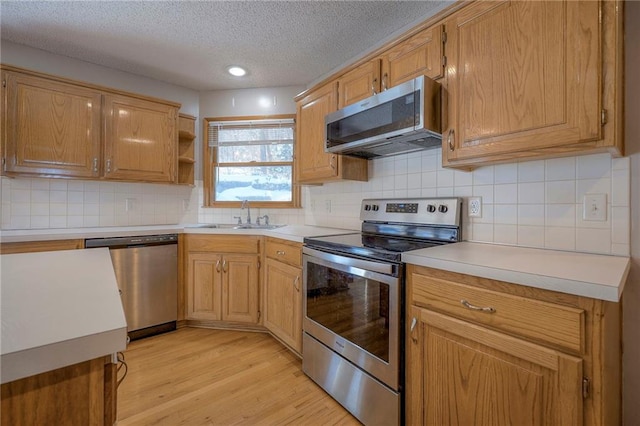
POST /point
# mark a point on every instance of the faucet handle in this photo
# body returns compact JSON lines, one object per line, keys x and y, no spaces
{"x":258,"y":220}
{"x":239,"y":219}
{"x":266,"y":219}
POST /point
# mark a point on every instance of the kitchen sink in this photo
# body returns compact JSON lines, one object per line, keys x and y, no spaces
{"x":233,"y":226}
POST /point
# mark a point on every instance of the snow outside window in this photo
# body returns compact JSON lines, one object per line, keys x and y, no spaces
{"x":253,"y":160}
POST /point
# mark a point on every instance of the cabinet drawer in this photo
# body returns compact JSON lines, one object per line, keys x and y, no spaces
{"x":223,"y":244}
{"x":546,"y":322}
{"x":284,"y":251}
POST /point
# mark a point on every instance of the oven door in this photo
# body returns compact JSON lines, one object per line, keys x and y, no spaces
{"x":353,"y":307}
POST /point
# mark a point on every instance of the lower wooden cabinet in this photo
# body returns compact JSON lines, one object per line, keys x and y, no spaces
{"x":283,"y":303}
{"x":472,"y":358}
{"x":37,"y":246}
{"x":80,"y":394}
{"x":222,"y":278}
{"x":283,"y":292}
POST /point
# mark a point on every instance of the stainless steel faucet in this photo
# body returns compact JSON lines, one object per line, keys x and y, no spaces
{"x":245,"y":203}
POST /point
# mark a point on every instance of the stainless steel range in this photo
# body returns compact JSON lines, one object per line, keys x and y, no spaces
{"x":354,"y":304}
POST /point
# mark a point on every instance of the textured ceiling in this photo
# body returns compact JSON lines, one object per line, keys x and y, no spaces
{"x":191,"y":43}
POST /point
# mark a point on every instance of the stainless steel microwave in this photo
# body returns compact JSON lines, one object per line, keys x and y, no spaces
{"x":402,"y":119}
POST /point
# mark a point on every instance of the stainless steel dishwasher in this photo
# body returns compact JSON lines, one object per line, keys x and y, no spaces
{"x":146,"y":269}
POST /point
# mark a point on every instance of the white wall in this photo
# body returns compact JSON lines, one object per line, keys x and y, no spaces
{"x":631,"y":296}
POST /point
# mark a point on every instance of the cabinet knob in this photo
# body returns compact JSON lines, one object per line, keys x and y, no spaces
{"x":280,"y":253}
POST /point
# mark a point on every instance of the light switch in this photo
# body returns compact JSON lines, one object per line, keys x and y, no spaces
{"x":595,"y":207}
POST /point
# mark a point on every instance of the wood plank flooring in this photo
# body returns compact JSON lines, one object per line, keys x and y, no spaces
{"x":196,"y":376}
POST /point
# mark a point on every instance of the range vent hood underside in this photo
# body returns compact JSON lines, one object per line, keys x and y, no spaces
{"x":401,"y":144}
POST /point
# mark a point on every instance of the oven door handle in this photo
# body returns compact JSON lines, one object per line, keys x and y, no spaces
{"x":367,"y":265}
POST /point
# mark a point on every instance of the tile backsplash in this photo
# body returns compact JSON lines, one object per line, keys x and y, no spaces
{"x":533,"y":204}
{"x":63,"y":203}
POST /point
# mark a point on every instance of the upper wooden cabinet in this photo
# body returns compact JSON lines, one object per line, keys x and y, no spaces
{"x":420,"y":54}
{"x":527,"y":79}
{"x":186,"y":149}
{"x":359,"y":83}
{"x":313,"y":163}
{"x":62,"y":128}
{"x":50,"y":128}
{"x":140,"y":139}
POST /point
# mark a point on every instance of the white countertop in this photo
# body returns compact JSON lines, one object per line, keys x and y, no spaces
{"x":591,"y":275}
{"x":56,"y":314}
{"x":289,"y":232}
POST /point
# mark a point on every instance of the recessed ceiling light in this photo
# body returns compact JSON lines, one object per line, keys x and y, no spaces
{"x":236,"y":71}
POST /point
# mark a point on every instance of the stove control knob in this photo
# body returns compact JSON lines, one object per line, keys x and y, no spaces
{"x":431,"y":208}
{"x":443,"y":208}
{"x":367,"y":207}
{"x":375,"y":207}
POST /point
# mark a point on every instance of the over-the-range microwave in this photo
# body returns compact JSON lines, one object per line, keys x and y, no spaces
{"x":402,"y":119}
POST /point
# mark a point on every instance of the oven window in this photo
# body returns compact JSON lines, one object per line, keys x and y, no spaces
{"x":351,"y":306}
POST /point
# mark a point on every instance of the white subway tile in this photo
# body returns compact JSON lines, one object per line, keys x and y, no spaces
{"x":40,"y":184}
{"x":445,"y":192}
{"x":483,"y":175}
{"x":107,"y":220}
{"x":20,"y":222}
{"x":58,"y":185}
{"x":91,"y":197}
{"x":531,"y":193}
{"x":21,"y":183}
{"x":39,"y":209}
{"x":57,"y":221}
{"x":592,"y":186}
{"x":505,"y":173}
{"x":75,"y":209}
{"x":414,"y":181}
{"x":531,"y":171}
{"x":560,"y":169}
{"x":58,"y":196}
{"x":58,"y":209}
{"x":463,"y":191}
{"x":505,"y":234}
{"x":620,"y":188}
{"x":563,"y":215}
{"x":560,"y":238}
{"x":505,"y":194}
{"x":561,"y":192}
{"x":620,"y":249}
{"x":620,"y":225}
{"x":429,"y":192}
{"x":39,"y":196}
{"x":39,"y":222}
{"x":429,"y":163}
{"x":20,"y":209}
{"x":400,"y":182}
{"x":484,"y":191}
{"x":92,"y":210}
{"x":91,"y":186}
{"x":75,"y":197}
{"x":75,"y":185}
{"x":461,"y":178}
{"x":20,"y":196}
{"x":531,"y":214}
{"x":594,"y":166}
{"x":531,"y":236}
{"x":429,"y":180}
{"x":622,"y":163}
{"x":482,"y":232}
{"x":444,"y":177}
{"x":414,"y":163}
{"x":487,"y":215}
{"x":505,"y":214}
{"x":593,"y":240}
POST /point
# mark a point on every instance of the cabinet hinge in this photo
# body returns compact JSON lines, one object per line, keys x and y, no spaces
{"x":259,"y":264}
{"x":4,"y":83}
{"x":444,"y":61}
{"x":444,"y":37}
{"x":603,"y":117}
{"x":4,"y":164}
{"x":586,"y":387}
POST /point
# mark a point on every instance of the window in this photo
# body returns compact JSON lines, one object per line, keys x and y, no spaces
{"x":250,"y":159}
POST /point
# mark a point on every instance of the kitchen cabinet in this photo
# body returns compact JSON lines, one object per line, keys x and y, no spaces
{"x":140,"y":139}
{"x":313,"y":164}
{"x":420,"y":54}
{"x":36,"y":246}
{"x":488,"y":352}
{"x":186,"y":149}
{"x":50,"y":128}
{"x":530,"y":79}
{"x":358,"y":84}
{"x":81,"y":394}
{"x":222,"y":279}
{"x":283,"y":292}
{"x":56,"y":127}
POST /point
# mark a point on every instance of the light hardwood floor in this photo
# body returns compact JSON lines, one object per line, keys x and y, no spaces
{"x":196,"y":376}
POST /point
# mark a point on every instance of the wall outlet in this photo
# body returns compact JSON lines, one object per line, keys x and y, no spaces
{"x":594,"y":207}
{"x":475,"y":207}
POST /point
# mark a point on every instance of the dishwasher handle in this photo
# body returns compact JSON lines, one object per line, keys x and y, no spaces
{"x":134,"y":241}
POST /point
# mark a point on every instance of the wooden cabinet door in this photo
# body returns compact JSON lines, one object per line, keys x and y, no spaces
{"x":204,"y":286}
{"x":313,"y":163}
{"x":418,"y":55}
{"x":240,"y":288}
{"x":283,"y":303}
{"x":459,"y":373}
{"x":50,"y":128}
{"x":140,"y":139}
{"x":359,"y":83}
{"x":521,"y":76}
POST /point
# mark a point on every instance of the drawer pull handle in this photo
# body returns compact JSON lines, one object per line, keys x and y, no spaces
{"x":280,"y":253}
{"x":414,"y":322}
{"x":218,"y":266}
{"x":296,"y":284}
{"x":224,"y":266}
{"x":468,"y":305}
